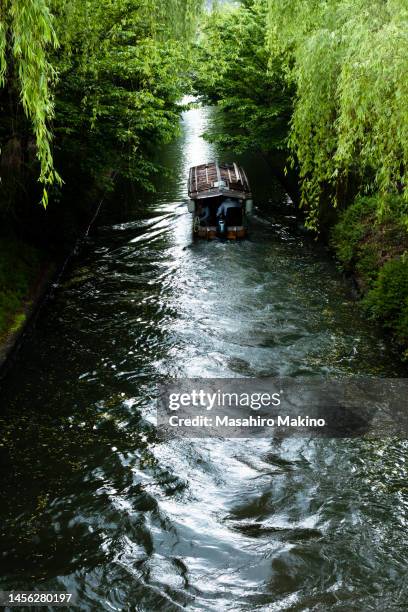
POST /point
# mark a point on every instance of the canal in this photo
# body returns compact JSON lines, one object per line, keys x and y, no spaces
{"x":96,"y":503}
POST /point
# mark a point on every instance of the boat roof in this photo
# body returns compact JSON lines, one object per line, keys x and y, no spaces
{"x":215,"y":179}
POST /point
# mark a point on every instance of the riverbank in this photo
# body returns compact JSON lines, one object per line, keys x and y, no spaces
{"x":25,"y":274}
{"x":20,"y":266}
{"x":373,"y":251}
{"x":33,"y":248}
{"x":370,"y":249}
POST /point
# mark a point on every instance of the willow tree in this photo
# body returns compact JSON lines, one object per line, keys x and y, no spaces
{"x":348,"y":61}
{"x":27,"y":76}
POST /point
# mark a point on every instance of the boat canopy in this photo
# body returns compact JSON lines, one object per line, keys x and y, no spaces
{"x":215,"y":179}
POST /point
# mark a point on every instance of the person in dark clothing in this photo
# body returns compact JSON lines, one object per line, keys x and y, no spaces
{"x":230,"y":211}
{"x":226,"y":205}
{"x":205,"y":215}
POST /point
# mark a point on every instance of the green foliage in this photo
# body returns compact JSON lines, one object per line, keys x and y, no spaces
{"x":19,"y":266}
{"x":348,"y":61}
{"x":368,"y":263}
{"x":26,"y":34}
{"x":104,"y":99}
{"x":104,"y":76}
{"x":123,"y":69}
{"x":234,"y":71}
{"x":354,"y":225}
{"x":18,"y":322}
{"x":388,"y":299}
{"x":363,"y":241}
{"x":374,"y":250}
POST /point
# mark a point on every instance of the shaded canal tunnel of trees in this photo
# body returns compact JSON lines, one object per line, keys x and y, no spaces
{"x":314,"y":92}
{"x":90,"y":89}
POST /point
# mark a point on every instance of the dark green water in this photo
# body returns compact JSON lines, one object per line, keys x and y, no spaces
{"x":96,"y":504}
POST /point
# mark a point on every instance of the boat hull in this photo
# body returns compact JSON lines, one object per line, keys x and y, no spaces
{"x":233,"y":232}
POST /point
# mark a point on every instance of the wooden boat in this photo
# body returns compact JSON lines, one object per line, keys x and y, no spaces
{"x":220,"y":200}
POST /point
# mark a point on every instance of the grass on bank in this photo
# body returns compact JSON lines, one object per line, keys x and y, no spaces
{"x":375,"y":250}
{"x":19,"y":268}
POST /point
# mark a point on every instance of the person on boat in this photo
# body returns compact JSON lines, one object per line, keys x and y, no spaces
{"x":227,"y":204}
{"x":230,"y":212}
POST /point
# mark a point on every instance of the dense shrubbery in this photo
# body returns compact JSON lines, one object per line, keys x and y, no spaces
{"x":363,"y":241}
{"x":19,"y":266}
{"x":373,"y":249}
{"x":387,"y":301}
